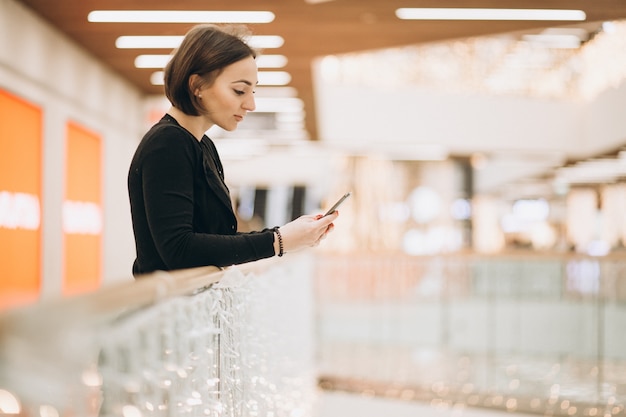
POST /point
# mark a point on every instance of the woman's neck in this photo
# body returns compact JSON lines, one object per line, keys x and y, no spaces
{"x":196,"y":125}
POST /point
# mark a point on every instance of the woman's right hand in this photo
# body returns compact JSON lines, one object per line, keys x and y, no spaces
{"x":306,"y":231}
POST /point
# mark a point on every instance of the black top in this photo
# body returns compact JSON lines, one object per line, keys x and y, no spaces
{"x":181,"y":209}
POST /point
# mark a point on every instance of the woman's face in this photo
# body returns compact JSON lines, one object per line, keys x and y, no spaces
{"x":231,"y":96}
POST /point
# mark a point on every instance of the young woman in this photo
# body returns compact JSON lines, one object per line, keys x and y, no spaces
{"x":181,"y":208}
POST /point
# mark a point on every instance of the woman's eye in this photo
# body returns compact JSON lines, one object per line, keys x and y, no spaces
{"x":239,"y":92}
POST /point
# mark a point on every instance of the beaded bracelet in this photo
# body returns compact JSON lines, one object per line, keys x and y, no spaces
{"x":280,"y":241}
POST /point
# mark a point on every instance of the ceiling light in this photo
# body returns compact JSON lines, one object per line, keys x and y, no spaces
{"x":161,"y":60}
{"x":278,"y":104}
{"x":278,"y":91}
{"x":489,"y":14}
{"x":266,"y":41}
{"x":271,"y":61}
{"x":554,"y":41}
{"x":274,"y":78}
{"x":565,"y":38}
{"x":141,"y":42}
{"x":609,"y":27}
{"x":157,"y":78}
{"x":171,"y":42}
{"x":265,"y":78}
{"x":240,"y":148}
{"x":152,"y":61}
{"x":179,"y":16}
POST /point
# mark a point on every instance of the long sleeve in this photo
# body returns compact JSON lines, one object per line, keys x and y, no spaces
{"x":180,"y":219}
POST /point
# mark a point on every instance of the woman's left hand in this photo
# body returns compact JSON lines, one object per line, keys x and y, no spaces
{"x":306,"y":231}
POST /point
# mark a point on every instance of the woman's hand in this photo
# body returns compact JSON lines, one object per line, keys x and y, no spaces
{"x":306,"y":231}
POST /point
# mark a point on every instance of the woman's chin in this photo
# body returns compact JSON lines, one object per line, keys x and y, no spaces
{"x":229,"y":128}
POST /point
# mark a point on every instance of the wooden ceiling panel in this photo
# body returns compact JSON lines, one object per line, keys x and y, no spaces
{"x":309,"y":30}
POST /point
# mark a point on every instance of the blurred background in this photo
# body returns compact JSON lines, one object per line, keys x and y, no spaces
{"x":486,"y":156}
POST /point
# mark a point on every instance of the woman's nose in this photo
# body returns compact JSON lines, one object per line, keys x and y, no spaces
{"x":249,"y":104}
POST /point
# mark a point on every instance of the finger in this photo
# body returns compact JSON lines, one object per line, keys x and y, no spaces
{"x":329,"y":219}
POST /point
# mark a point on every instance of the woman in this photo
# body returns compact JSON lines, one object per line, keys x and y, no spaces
{"x":181,"y":208}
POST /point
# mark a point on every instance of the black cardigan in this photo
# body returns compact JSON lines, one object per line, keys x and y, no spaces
{"x":180,"y":206}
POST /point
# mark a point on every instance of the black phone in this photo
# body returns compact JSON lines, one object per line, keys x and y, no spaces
{"x":338,"y":203}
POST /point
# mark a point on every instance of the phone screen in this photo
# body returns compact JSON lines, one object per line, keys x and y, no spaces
{"x":338,"y":203}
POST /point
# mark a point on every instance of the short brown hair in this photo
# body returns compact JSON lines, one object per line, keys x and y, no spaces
{"x":206,"y":50}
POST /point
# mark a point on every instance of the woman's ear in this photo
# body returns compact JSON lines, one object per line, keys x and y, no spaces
{"x":194,"y":84}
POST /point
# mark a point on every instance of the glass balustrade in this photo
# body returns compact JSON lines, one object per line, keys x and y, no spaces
{"x":541,"y":334}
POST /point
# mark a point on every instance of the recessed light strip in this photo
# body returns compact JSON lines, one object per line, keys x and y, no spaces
{"x":489,"y":14}
{"x":266,"y":41}
{"x":179,"y":16}
{"x":271,"y":61}
{"x":554,"y":41}
{"x":157,"y":78}
{"x":171,"y":42}
{"x":273,"y":78}
{"x":152,"y":61}
{"x":148,"y":42}
{"x":160,"y":61}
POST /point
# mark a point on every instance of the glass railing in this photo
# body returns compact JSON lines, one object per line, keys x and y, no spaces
{"x":521,"y":333}
{"x":528,"y":333}
{"x":200,"y":342}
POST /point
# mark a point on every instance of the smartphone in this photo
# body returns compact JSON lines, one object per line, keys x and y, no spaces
{"x":338,"y":203}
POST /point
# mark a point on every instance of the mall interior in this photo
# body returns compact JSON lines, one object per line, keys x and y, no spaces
{"x":477,"y":268}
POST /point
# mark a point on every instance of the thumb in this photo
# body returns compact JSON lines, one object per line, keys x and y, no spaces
{"x":329,"y":218}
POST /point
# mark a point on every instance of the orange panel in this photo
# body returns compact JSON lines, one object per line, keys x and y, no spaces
{"x":20,"y":201}
{"x":82,"y":263}
{"x":82,"y":211}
